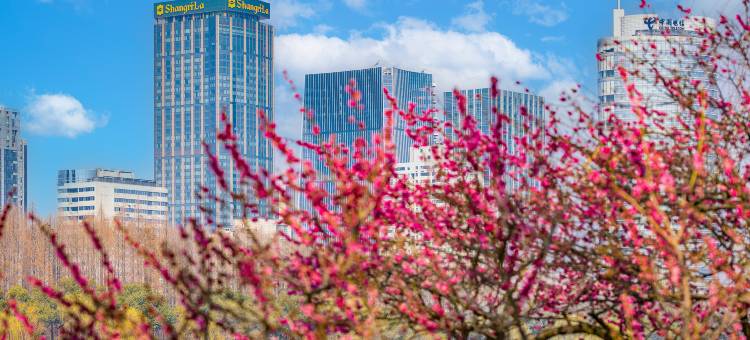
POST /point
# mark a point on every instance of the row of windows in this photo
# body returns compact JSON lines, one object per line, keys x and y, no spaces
{"x":326,"y":96}
{"x":479,"y":105}
{"x":137,"y":219}
{"x":144,"y":202}
{"x":74,"y":190}
{"x":84,"y":208}
{"x":409,"y":168}
{"x":140,"y":192}
{"x":192,"y":67}
{"x":606,"y":73}
{"x":421,"y":174}
{"x":140,"y":211}
{"x":75,"y":199}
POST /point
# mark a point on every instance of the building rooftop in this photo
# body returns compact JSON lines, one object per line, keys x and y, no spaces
{"x":174,"y":8}
{"x":101,"y":175}
{"x":653,"y":25}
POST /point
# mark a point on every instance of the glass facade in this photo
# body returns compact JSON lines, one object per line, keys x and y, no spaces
{"x":326,"y":97}
{"x":13,"y":153}
{"x":479,"y":104}
{"x":215,"y":60}
{"x":658,"y":36}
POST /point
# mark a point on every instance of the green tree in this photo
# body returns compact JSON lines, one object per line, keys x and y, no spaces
{"x":18,"y":293}
{"x":47,"y":312}
{"x":3,"y":301}
{"x":68,"y":286}
{"x":145,"y":301}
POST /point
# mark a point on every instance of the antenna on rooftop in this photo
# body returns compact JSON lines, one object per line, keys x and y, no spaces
{"x":619,"y":6}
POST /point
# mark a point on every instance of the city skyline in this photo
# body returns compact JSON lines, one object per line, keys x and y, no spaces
{"x":94,"y":73}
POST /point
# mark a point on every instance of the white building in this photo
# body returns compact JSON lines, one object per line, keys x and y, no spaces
{"x":421,"y":168}
{"x":108,"y":194}
{"x":639,"y":42}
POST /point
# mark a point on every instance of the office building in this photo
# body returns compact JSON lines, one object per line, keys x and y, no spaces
{"x":332,"y":114}
{"x":13,"y":155}
{"x":479,"y":104}
{"x":211,"y":57}
{"x":638,"y":42}
{"x":107,"y":194}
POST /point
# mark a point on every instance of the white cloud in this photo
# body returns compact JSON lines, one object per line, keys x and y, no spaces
{"x":356,"y":4}
{"x":563,"y":74}
{"x":474,"y":19}
{"x":454,"y":58}
{"x":288,"y":121}
{"x":539,"y":13}
{"x":286,"y":13}
{"x":556,"y":88}
{"x":715,"y":7}
{"x":322,"y":29}
{"x":563,"y":84}
{"x":287,"y":114}
{"x":60,"y":115}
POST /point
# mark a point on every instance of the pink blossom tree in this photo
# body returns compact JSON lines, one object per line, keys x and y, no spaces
{"x":584,"y":225}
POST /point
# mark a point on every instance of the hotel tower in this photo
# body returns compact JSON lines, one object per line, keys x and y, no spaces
{"x":210,"y":57}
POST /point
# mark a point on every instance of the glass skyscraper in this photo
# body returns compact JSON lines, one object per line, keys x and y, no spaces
{"x":479,"y":104}
{"x":326,"y":97}
{"x":13,"y":152}
{"x":658,"y":36}
{"x":211,"y":57}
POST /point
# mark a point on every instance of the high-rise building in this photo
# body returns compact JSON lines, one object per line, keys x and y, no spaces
{"x":638,"y":43}
{"x":332,"y":114}
{"x":211,"y":57}
{"x":104,"y":193}
{"x":326,"y":97}
{"x":479,"y":104}
{"x":13,"y":153}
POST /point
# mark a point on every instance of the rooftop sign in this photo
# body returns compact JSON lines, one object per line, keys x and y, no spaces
{"x":661,"y":24}
{"x":183,"y":7}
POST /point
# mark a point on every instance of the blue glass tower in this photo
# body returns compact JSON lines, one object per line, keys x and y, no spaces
{"x":13,"y":152}
{"x":211,"y":56}
{"x":325,"y":95}
{"x":479,"y":104}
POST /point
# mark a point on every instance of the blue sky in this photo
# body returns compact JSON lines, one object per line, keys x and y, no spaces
{"x":81,"y":71}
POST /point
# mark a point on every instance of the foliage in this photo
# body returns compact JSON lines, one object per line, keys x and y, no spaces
{"x":145,"y":301}
{"x":616,"y":228}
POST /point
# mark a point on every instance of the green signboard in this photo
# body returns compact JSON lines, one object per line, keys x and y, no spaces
{"x":182,"y":7}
